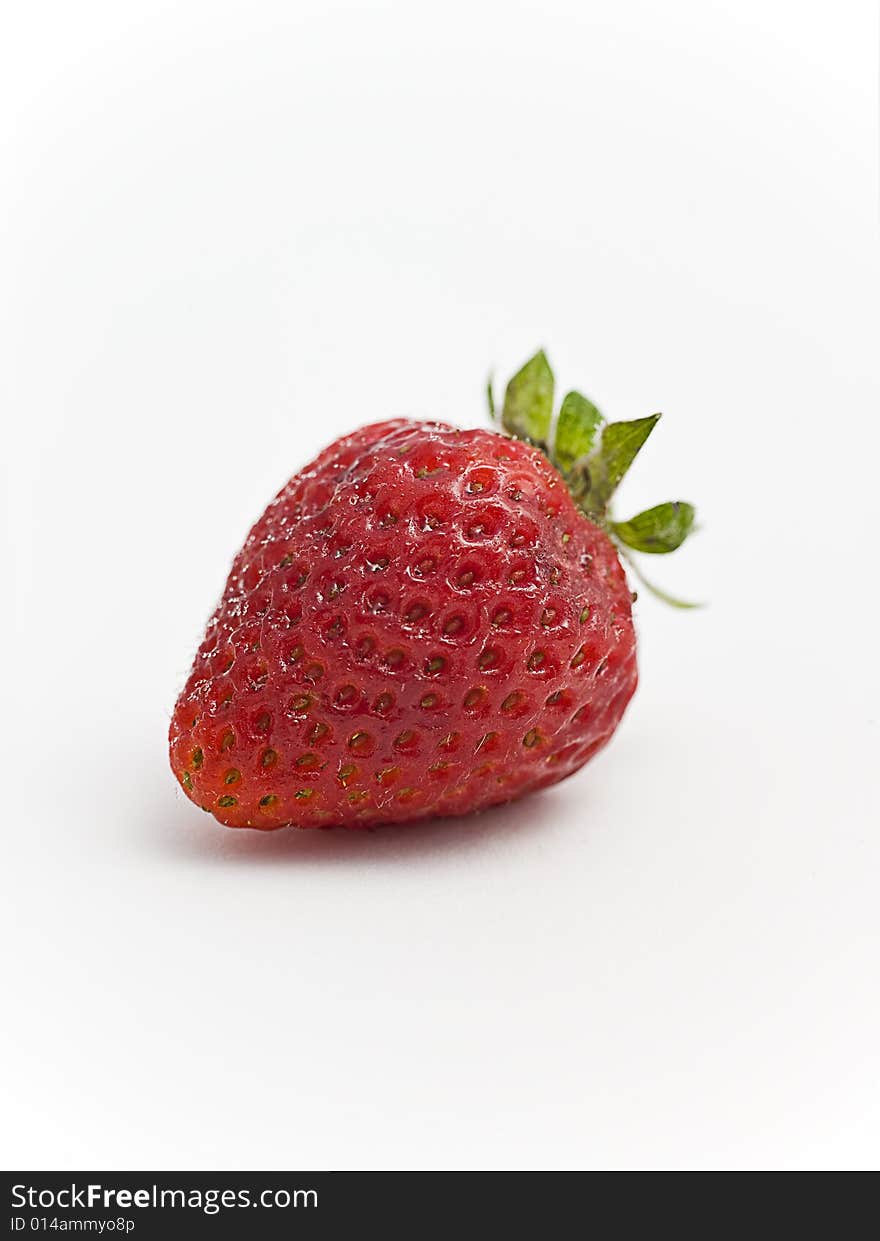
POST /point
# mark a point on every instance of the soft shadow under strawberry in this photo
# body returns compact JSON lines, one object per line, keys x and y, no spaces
{"x":203,"y":841}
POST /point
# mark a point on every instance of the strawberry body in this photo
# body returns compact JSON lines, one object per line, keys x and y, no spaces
{"x":421,"y":623}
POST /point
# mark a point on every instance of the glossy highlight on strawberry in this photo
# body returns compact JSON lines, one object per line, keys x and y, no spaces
{"x":423,"y":622}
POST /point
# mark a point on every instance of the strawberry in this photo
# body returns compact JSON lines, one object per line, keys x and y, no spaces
{"x":425,"y":621}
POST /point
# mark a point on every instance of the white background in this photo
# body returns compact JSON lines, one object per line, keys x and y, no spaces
{"x":230,"y":232}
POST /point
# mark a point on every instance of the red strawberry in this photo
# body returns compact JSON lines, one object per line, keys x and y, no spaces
{"x":425,"y":621}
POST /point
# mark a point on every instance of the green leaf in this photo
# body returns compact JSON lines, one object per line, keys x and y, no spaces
{"x":660,"y":529}
{"x":490,"y":396}
{"x":619,"y":448}
{"x":576,"y":428}
{"x":528,"y":402}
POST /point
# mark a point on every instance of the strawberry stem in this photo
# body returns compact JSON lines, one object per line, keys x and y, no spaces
{"x":655,"y":590}
{"x":592,"y":456}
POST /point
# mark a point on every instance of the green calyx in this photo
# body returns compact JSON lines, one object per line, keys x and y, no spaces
{"x":592,"y":455}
